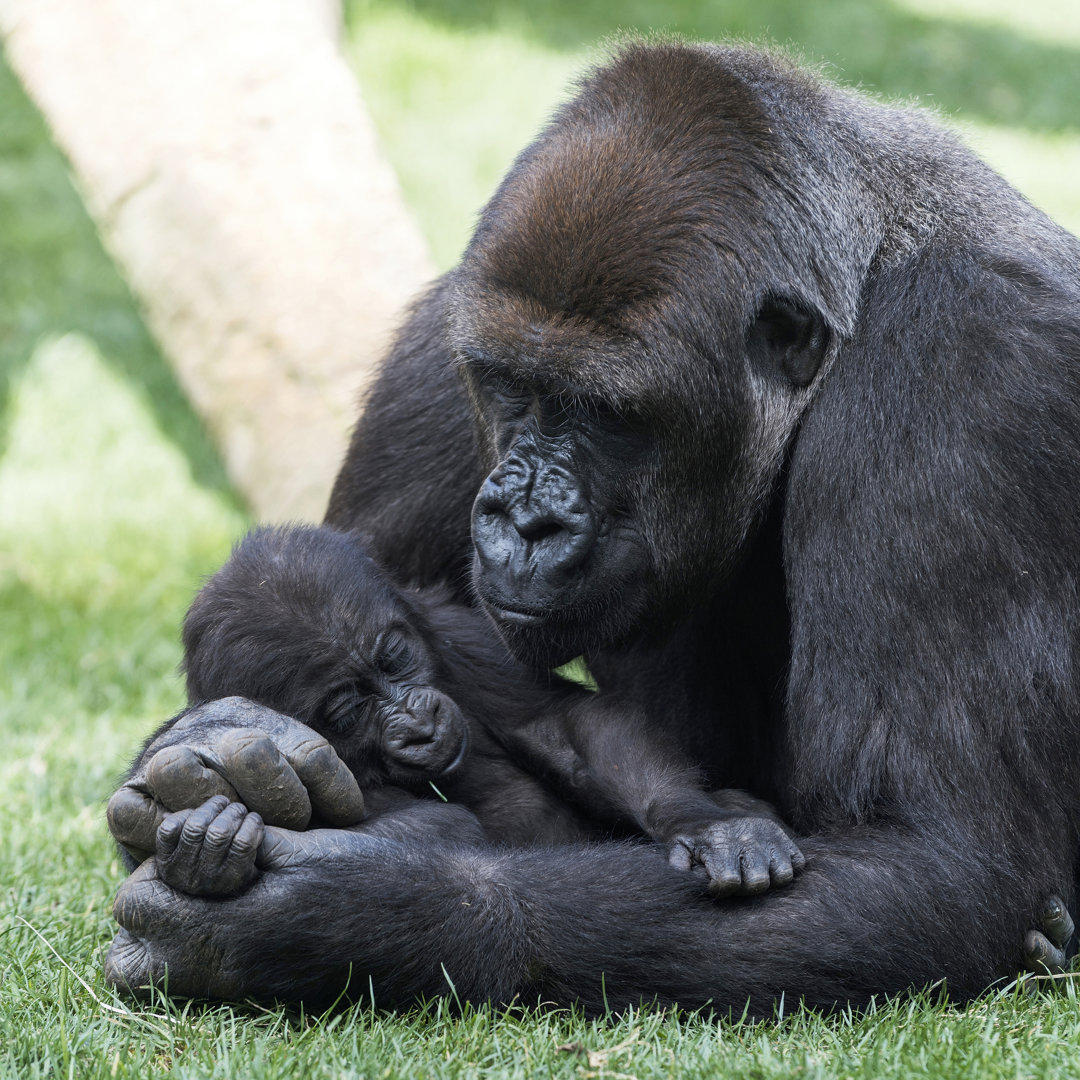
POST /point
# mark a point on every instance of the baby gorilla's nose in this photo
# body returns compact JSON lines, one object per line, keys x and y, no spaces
{"x":409,"y":729}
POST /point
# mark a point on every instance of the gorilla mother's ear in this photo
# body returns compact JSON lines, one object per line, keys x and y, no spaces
{"x":788,"y":337}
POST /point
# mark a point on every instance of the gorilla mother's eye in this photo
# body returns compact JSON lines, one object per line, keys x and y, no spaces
{"x":394,"y":652}
{"x":512,"y":397}
{"x":558,"y":412}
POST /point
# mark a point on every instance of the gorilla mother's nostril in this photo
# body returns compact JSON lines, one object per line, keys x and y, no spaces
{"x":534,"y":528}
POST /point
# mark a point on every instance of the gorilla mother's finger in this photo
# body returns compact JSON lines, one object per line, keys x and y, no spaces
{"x":680,"y":856}
{"x":1041,"y":956}
{"x":181,"y":779}
{"x":140,"y":898}
{"x":264,"y":779}
{"x":333,"y":790}
{"x":134,"y":817}
{"x":1056,"y":922}
{"x":214,"y":733}
{"x":127,"y":965}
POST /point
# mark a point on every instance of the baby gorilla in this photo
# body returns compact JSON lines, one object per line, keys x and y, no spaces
{"x":414,"y":690}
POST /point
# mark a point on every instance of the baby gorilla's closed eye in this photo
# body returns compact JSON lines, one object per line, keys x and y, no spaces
{"x":394,"y":653}
{"x":341,"y":709}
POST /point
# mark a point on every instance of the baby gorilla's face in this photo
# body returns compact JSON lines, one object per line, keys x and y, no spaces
{"x":381,"y":709}
{"x":422,"y":733}
{"x":304,"y":620}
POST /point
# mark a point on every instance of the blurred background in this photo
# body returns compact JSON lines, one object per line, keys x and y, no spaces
{"x":457,"y":86}
{"x":117,"y":496}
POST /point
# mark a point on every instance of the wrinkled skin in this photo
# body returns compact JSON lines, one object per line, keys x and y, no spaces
{"x":278,"y":767}
{"x":205,"y":939}
{"x":550,"y":525}
{"x":203,"y":948}
{"x":169,"y":909}
{"x":209,"y":851}
{"x":204,"y":759}
{"x":206,"y":851}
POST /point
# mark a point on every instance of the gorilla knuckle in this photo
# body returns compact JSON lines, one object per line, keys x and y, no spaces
{"x":176,"y":759}
{"x":193,"y":832}
{"x":753,"y":884}
{"x":314,"y":753}
{"x":127,"y":812}
{"x":218,"y":836}
{"x":245,"y":845}
{"x":139,"y":900}
{"x":782,"y":874}
{"x":1037,"y":949}
{"x":725,"y":884}
{"x":170,"y":828}
{"x":251,"y":754}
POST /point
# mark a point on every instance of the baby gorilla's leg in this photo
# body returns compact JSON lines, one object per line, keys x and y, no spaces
{"x":210,"y":851}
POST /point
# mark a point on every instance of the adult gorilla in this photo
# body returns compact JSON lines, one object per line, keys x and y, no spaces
{"x":779,"y":391}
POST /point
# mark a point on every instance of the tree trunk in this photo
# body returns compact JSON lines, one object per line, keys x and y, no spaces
{"x":223,"y":148}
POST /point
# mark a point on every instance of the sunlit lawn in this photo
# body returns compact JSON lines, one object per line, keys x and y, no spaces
{"x":113,"y":506}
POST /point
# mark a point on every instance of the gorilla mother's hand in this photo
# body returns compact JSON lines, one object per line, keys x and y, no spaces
{"x":321,"y":901}
{"x":275,"y":765}
{"x":199,"y":947}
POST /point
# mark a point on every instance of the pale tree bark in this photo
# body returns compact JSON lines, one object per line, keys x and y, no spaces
{"x":225,"y":152}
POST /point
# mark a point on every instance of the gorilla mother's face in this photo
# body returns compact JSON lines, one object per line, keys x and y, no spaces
{"x":558,"y":544}
{"x":638,"y":349}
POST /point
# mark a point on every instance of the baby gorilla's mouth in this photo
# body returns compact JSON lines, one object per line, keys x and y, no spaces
{"x":427,"y":735}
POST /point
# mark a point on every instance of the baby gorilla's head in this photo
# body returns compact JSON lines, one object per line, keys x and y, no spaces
{"x":302,"y":620}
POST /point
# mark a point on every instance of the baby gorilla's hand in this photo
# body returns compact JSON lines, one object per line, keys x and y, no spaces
{"x":741,"y":855}
{"x":209,"y":851}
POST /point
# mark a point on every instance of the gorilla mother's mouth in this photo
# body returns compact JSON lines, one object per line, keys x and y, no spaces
{"x":516,"y":616}
{"x":543,"y":638}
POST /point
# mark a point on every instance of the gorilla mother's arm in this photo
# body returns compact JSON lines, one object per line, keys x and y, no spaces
{"x":606,"y":926}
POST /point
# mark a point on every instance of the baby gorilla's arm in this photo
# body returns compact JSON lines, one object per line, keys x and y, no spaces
{"x":601,"y":754}
{"x":210,"y":851}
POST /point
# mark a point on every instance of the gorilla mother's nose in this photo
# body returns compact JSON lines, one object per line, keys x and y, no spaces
{"x":532,"y":520}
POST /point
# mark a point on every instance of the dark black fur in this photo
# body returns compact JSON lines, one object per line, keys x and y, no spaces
{"x":411,"y":688}
{"x":779,"y":395}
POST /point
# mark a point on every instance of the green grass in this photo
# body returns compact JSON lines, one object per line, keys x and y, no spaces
{"x":113,"y":505}
{"x":1006,"y":1037}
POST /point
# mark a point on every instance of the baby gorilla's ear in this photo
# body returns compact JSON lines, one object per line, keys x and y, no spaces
{"x":424,"y":735}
